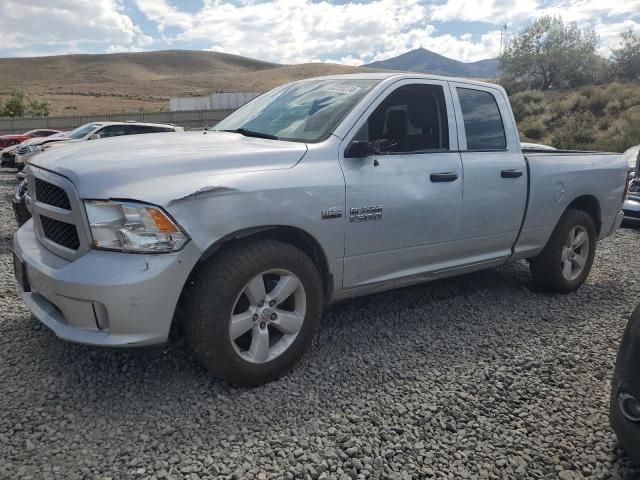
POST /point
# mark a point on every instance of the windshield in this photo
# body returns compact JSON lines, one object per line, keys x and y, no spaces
{"x":83,"y":131}
{"x":306,"y":111}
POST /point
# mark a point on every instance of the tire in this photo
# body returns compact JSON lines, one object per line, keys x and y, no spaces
{"x":226,"y":285}
{"x":626,"y":380}
{"x":549,"y":270}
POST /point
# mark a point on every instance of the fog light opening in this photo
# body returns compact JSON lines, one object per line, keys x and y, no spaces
{"x":100,"y":315}
{"x":629,"y":406}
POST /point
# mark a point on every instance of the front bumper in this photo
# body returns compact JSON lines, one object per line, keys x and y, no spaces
{"x":631,"y":209}
{"x":102,"y":298}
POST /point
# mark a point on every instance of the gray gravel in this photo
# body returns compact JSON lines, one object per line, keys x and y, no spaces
{"x":472,"y":377}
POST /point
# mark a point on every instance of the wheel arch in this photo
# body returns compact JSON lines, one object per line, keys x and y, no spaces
{"x":295,"y":236}
{"x":590,"y":205}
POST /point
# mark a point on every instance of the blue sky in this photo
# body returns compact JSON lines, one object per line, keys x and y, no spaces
{"x":293,"y":31}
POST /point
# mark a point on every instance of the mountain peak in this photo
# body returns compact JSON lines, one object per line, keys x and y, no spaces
{"x":425,"y":61}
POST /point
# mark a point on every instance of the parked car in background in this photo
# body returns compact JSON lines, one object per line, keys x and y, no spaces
{"x":624,"y":405}
{"x":8,"y":154}
{"x":90,"y":131}
{"x":317,"y":191}
{"x":9,"y":140}
{"x":631,"y":207}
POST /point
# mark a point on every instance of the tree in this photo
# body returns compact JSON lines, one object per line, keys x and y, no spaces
{"x":20,"y":105}
{"x":16,"y":105}
{"x":626,"y":58}
{"x":549,"y":54}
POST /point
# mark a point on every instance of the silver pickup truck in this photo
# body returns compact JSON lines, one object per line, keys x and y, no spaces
{"x":314,"y":192}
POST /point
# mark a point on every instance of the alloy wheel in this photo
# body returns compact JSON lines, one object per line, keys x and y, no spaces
{"x":267,"y":315}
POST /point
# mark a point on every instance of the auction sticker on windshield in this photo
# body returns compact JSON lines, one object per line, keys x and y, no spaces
{"x":342,"y":88}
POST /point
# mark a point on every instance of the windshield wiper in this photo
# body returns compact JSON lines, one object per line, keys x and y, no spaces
{"x":250,"y":133}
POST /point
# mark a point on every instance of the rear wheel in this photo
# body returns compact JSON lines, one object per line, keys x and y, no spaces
{"x":252,"y":311}
{"x":566,"y":260}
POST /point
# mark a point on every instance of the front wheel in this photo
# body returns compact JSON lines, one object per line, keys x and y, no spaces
{"x":566,"y":260}
{"x":252,"y":311}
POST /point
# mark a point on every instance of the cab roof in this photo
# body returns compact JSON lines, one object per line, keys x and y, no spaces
{"x":402,"y":76}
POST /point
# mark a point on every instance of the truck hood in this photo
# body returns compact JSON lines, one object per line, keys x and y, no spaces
{"x":157,"y":167}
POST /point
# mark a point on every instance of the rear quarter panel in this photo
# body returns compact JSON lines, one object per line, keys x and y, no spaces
{"x":556,"y":180}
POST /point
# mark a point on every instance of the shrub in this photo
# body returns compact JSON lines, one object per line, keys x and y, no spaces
{"x":527,"y":103}
{"x":578,"y":132}
{"x":598,"y":102}
{"x":533,"y":129}
{"x":625,"y":133}
{"x":20,"y":105}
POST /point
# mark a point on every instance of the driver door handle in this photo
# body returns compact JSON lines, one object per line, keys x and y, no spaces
{"x":511,"y":173}
{"x":444,"y":177}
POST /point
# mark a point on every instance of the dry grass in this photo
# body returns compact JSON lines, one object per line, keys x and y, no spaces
{"x":91,"y":84}
{"x":603,"y":117}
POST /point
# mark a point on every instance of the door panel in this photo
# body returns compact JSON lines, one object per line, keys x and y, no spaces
{"x":401,"y":204}
{"x":416,"y":214}
{"x":495,"y":173}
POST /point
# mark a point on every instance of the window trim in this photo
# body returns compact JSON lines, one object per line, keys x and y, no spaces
{"x":449,"y":106}
{"x":464,"y":127}
{"x":504,"y":109}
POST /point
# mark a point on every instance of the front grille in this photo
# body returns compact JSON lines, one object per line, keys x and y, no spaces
{"x":62,"y":233}
{"x":51,"y":194}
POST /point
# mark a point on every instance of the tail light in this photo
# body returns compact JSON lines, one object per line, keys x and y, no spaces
{"x":626,"y":186}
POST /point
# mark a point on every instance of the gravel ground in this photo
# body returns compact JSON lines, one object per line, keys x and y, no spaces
{"x":473,"y":377}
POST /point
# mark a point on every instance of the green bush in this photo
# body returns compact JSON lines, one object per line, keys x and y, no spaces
{"x":625,"y":134}
{"x":613,"y":107}
{"x":527,"y":103}
{"x":20,"y":105}
{"x":598,"y":101}
{"x":533,"y":129}
{"x":577,"y":133}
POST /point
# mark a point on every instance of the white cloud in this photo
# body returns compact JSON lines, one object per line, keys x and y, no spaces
{"x":491,"y":11}
{"x":610,"y":33}
{"x":294,"y":31}
{"x":66,"y":23}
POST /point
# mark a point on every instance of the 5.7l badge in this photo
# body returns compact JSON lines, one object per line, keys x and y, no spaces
{"x":365,"y":214}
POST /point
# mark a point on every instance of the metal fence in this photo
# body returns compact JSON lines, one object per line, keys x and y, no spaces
{"x":186,"y":119}
{"x":215,"y":101}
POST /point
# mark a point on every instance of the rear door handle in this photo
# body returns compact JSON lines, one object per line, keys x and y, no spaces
{"x":444,"y":177}
{"x":511,"y":173}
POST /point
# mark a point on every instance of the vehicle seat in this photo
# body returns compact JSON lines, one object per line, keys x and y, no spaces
{"x":397,"y":123}
{"x":424,"y":116}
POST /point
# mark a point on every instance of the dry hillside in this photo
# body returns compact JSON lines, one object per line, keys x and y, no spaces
{"x":88,"y":84}
{"x":598,"y":117}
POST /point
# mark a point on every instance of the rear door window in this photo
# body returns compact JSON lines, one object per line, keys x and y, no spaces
{"x":482,"y":120}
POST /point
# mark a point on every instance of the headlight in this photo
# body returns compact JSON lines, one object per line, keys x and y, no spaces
{"x":132,"y":227}
{"x":35,"y":148}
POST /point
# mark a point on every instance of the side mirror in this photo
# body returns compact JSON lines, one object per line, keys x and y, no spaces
{"x":95,"y":136}
{"x":359,"y":149}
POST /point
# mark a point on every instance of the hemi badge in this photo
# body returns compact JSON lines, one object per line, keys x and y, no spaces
{"x":331,"y":213}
